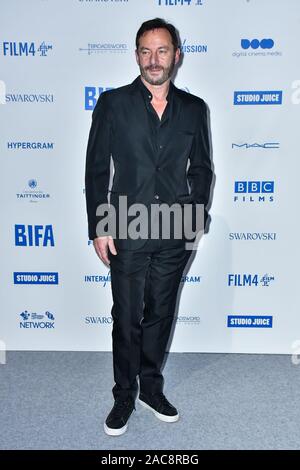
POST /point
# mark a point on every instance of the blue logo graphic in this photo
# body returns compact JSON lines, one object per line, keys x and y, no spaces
{"x":257,"y":97}
{"x":37,"y":320}
{"x":98,"y":279}
{"x":249,"y":280}
{"x":249,"y":321}
{"x":35,"y":277}
{"x":254,"y":187}
{"x":18,"y":49}
{"x":91,"y":94}
{"x":33,"y":194}
{"x":255,"y":44}
{"x":193,"y":48}
{"x":30,"y":145}
{"x":34,"y":235}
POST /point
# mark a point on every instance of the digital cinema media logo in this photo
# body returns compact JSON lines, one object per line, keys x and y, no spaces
{"x":253,"y":191}
{"x":257,"y":97}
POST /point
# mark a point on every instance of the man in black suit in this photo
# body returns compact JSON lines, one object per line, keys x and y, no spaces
{"x":157,"y":137}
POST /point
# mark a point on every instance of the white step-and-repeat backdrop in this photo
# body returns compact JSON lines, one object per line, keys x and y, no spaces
{"x":241,"y":293}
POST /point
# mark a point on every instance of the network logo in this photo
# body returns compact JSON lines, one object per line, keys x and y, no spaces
{"x":36,"y":320}
{"x":254,"y":191}
{"x":35,"y":277}
{"x":249,"y":280}
{"x":19,"y":49}
{"x":256,"y":43}
{"x":256,"y":145}
{"x":33,"y":194}
{"x":34,"y":235}
{"x":257,"y":97}
{"x":91,"y":94}
{"x":249,"y":321}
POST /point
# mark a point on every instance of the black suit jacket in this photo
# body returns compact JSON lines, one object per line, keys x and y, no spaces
{"x":118,"y":131}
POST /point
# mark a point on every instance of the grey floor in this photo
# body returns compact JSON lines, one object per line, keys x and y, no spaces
{"x":58,"y":400}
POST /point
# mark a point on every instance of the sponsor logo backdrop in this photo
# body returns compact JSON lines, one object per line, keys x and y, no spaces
{"x":241,"y":293}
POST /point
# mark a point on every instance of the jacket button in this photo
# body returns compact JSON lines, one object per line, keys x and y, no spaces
{"x":157,"y":168}
{"x":156,"y":196}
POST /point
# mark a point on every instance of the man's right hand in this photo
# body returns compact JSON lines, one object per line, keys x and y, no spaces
{"x":102,"y":245}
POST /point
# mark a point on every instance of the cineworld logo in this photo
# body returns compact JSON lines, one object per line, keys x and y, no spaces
{"x":18,"y":49}
{"x":91,"y":94}
{"x":255,"y":145}
{"x":255,"y":43}
{"x":30,"y":145}
{"x":33,"y":194}
{"x":105,"y":320}
{"x":37,"y":320}
{"x":188,"y":319}
{"x":193,"y":48}
{"x":173,"y":3}
{"x":249,"y":280}
{"x":257,"y":97}
{"x":253,"y":236}
{"x":35,"y":277}
{"x":29,"y":98}
{"x":34,"y":235}
{"x":254,"y":188}
{"x":249,"y":321}
{"x":98,"y":279}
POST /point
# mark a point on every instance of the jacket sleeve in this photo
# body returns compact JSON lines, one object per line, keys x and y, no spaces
{"x":200,"y":172}
{"x":97,"y":170}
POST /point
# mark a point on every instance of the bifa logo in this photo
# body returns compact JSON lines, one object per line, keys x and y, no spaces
{"x":249,"y":280}
{"x":37,"y":320}
{"x":34,"y":235}
{"x":18,"y":49}
{"x":249,"y":321}
{"x":260,"y":191}
{"x":91,"y":94}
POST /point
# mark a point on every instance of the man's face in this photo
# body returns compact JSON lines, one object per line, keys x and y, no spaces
{"x":156,"y":56}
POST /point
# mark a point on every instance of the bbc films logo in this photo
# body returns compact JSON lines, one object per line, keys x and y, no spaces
{"x":253,"y":191}
{"x":257,"y":48}
{"x":21,"y":49}
{"x":272,"y":97}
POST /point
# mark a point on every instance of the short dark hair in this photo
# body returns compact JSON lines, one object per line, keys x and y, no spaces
{"x":155,"y":24}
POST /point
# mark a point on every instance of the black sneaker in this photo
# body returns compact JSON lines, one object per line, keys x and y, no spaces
{"x":160,"y":406}
{"x":116,"y":422}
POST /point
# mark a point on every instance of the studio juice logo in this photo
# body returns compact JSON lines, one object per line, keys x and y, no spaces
{"x":271,"y":97}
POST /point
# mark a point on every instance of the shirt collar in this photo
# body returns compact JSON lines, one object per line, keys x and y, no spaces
{"x":147,"y":93}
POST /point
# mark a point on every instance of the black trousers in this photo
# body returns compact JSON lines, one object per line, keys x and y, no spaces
{"x":144,"y":284}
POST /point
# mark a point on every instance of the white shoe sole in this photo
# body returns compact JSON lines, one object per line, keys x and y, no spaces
{"x":115,"y":432}
{"x":165,"y":418}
